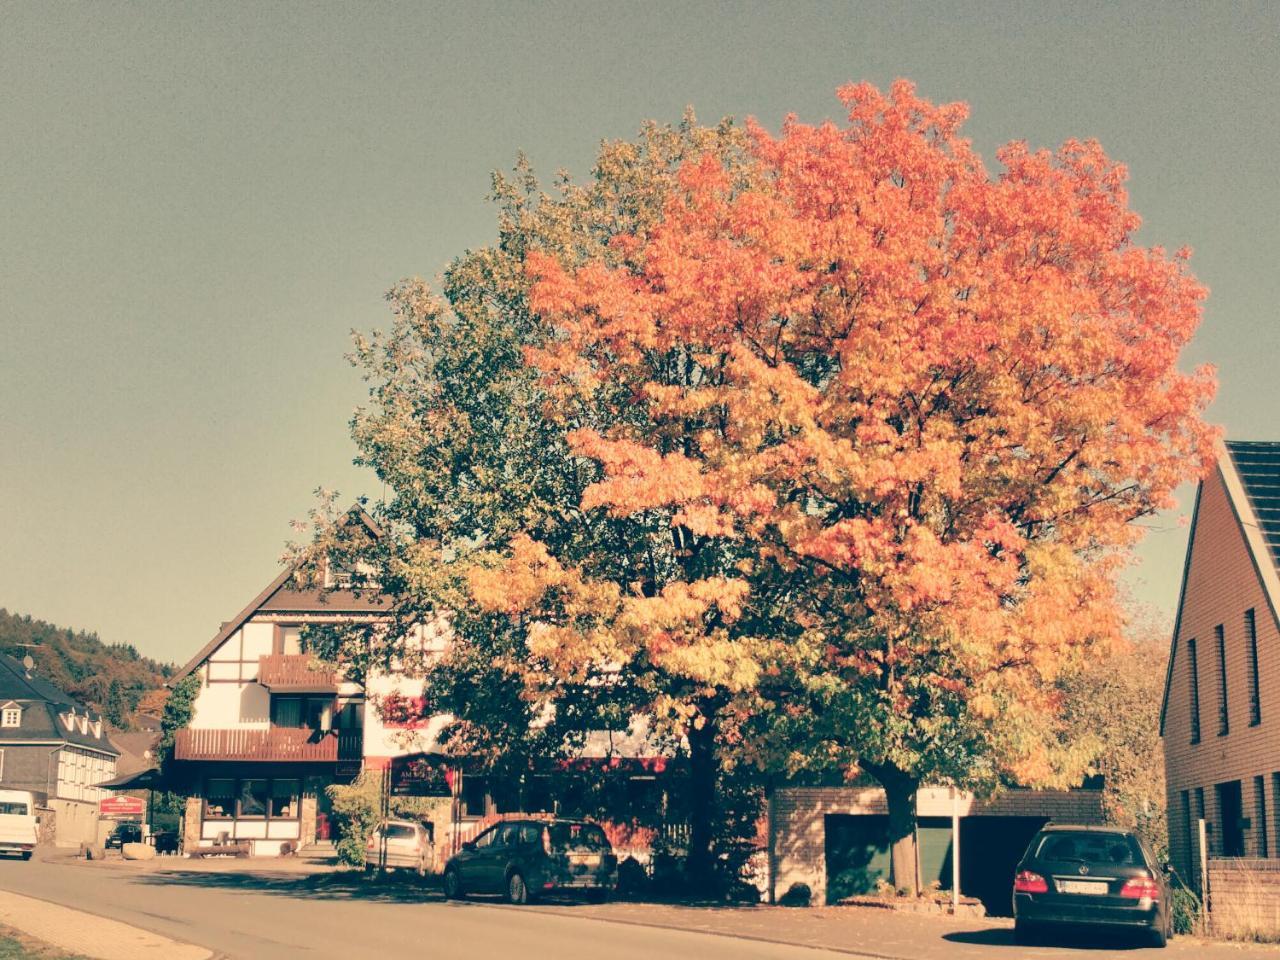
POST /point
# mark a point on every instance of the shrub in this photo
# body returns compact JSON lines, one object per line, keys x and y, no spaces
{"x":1186,"y":910}
{"x":797,"y":895}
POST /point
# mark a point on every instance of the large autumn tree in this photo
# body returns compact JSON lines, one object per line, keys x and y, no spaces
{"x":900,"y":415}
{"x":488,"y":519}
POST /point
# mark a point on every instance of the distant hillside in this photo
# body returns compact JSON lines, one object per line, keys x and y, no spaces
{"x":112,"y":678}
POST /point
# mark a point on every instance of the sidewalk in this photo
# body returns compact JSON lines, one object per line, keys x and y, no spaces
{"x":91,"y":936}
{"x":886,"y":935}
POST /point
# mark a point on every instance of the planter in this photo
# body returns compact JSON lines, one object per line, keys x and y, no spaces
{"x":968,"y":907}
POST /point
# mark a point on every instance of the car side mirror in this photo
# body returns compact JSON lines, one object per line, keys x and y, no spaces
{"x":469,"y":845}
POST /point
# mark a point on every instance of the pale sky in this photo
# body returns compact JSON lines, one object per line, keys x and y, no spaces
{"x":198,"y":201}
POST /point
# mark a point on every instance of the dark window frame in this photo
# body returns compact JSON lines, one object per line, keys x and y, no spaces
{"x":236,"y":786}
{"x":1224,"y":717}
{"x":1260,"y":815}
{"x":1193,"y":674}
{"x":1255,"y":691}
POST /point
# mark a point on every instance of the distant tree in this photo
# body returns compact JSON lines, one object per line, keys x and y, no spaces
{"x":1114,"y":702}
{"x":114,"y":707}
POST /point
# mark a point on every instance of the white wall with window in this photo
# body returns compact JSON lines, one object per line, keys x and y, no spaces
{"x":79,"y":772}
{"x":264,"y":810}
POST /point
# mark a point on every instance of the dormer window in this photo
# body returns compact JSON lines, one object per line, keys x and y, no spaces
{"x":11,"y":716}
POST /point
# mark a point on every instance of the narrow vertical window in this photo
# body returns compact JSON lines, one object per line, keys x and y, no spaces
{"x":1260,"y":809}
{"x":1188,"y":830}
{"x":1221,"y":643}
{"x":1275,"y":808}
{"x":1194,"y":677}
{"x":1255,"y":694}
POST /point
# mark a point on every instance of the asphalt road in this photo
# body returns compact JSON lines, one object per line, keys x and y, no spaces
{"x":254,"y":914}
{"x":246,"y":920}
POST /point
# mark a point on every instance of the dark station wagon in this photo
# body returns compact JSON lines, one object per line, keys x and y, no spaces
{"x":524,"y":859}
{"x":1086,"y":876}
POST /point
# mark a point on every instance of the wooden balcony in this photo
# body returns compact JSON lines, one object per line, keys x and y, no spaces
{"x":274,"y":745}
{"x":295,"y":673}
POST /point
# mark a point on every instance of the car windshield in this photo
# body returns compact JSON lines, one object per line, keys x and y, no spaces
{"x":398,"y":831}
{"x":1089,"y":847}
{"x":8,"y":809}
{"x":578,"y":836}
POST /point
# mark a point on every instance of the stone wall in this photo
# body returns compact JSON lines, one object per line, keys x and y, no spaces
{"x":191,"y":824}
{"x":797,"y":821}
{"x":1244,"y":898}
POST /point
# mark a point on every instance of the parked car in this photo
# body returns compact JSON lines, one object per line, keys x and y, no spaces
{"x":165,"y":841}
{"x":18,"y":823}
{"x":524,"y":859}
{"x":1090,"y":876}
{"x":409,"y":846}
{"x":126,"y":831}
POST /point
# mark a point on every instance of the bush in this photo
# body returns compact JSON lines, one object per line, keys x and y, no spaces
{"x":1186,"y":910}
{"x":797,"y":895}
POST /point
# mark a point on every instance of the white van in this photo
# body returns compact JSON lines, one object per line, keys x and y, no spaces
{"x":17,"y":823}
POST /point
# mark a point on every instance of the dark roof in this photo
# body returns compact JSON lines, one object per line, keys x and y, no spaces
{"x":1258,"y":464}
{"x":280,"y":595}
{"x":42,"y":705}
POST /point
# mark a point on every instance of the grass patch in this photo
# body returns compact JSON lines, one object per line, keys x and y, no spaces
{"x":16,"y":945}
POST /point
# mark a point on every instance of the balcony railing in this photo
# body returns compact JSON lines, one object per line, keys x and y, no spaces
{"x":276,"y":744}
{"x":295,"y":672}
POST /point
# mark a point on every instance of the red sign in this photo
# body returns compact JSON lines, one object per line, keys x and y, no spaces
{"x":121,"y":806}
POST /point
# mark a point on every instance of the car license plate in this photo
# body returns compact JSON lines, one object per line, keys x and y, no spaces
{"x":1087,"y":887}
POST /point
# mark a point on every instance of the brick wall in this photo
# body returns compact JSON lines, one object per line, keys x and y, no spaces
{"x":1222,"y":583}
{"x":1244,"y":897}
{"x":797,"y":826}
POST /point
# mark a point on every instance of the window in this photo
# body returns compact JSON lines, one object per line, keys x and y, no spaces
{"x":486,"y":838}
{"x":474,"y":790}
{"x":1194,"y":675}
{"x":290,"y":641}
{"x":11,"y":808}
{"x":1188,"y":830}
{"x":1260,"y":815}
{"x":313,"y":713}
{"x":530,"y":834}
{"x":12,"y":717}
{"x":1255,"y":696}
{"x":284,"y":800}
{"x":1221,"y":642}
{"x":219,"y":799}
{"x":253,"y":799}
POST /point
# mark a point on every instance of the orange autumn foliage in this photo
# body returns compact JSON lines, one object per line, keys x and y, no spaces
{"x":935,"y":397}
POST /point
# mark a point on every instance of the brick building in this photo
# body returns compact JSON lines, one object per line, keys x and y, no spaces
{"x":1220,"y":719}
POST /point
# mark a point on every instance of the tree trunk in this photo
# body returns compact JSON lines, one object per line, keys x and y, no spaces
{"x":900,"y":792}
{"x":702,"y":798}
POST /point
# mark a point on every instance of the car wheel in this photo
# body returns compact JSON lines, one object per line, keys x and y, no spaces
{"x":1024,"y":934}
{"x":453,"y":884}
{"x":517,"y":891}
{"x":1157,"y":938}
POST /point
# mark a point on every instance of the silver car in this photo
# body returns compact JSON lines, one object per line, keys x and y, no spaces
{"x":400,"y":845}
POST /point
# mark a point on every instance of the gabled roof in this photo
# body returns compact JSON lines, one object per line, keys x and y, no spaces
{"x":1250,"y":473}
{"x":1258,"y":466}
{"x":44,"y":706}
{"x":280,"y":595}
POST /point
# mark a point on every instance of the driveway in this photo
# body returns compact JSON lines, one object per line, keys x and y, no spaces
{"x":250,"y":914}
